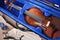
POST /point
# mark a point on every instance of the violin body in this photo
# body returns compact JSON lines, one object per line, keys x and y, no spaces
{"x":49,"y":30}
{"x":56,"y":34}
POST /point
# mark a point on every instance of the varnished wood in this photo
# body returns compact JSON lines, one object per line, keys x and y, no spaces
{"x":46,"y":30}
{"x":56,"y":34}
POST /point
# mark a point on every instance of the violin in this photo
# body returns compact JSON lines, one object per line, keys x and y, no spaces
{"x":46,"y":24}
